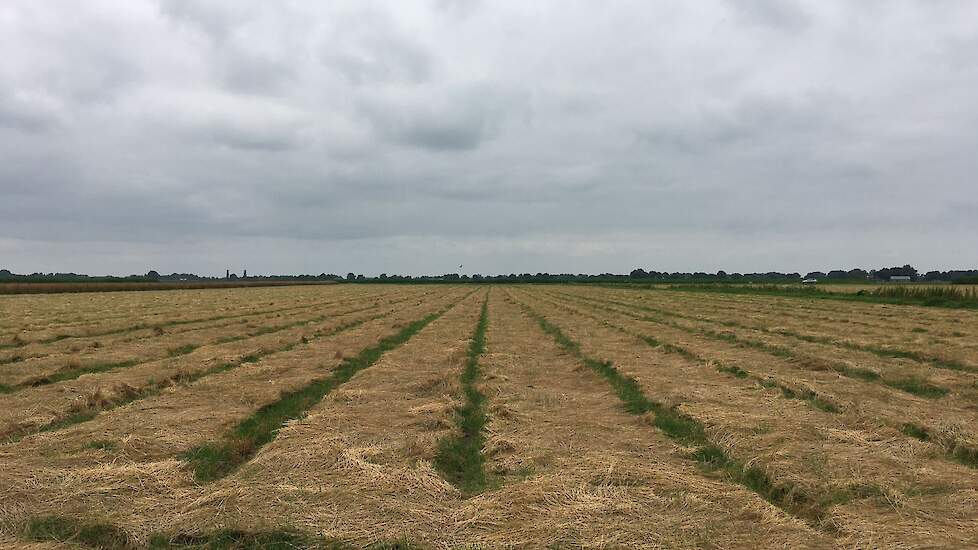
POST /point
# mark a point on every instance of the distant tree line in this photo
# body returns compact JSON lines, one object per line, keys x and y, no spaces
{"x":636,"y":275}
{"x":835,"y":275}
{"x":7,"y":276}
{"x":235,"y":277}
{"x":154,"y":277}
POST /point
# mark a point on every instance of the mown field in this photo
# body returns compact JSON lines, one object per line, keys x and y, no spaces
{"x":476,"y":416}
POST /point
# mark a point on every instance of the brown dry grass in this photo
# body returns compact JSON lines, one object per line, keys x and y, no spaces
{"x":216,"y":338}
{"x":942,"y":333}
{"x":78,"y":321}
{"x":818,"y":452}
{"x":809,"y":368}
{"x":359,"y":467}
{"x":55,"y":472}
{"x":567,"y":465}
{"x":38,"y":406}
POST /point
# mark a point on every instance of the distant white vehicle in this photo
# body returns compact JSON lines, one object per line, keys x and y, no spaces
{"x":809,"y":281}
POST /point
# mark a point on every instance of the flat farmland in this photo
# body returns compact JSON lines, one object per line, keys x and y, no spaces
{"x":461,"y":416}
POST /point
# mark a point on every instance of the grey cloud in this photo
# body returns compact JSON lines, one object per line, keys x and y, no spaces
{"x":255,"y":139}
{"x":751,"y":120}
{"x":236,"y":121}
{"x":76,"y":216}
{"x":431,"y":131}
{"x":787,"y":15}
{"x":97,"y":80}
{"x":372,"y":50}
{"x":253,"y":73}
{"x":458,"y":7}
{"x":217,"y":18}
{"x":408,"y":136}
{"x":29,"y":110}
{"x":459,"y":119}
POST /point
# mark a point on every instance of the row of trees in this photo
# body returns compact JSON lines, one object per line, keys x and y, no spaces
{"x":854,"y":275}
{"x":840,"y":275}
{"x":234,"y":277}
{"x":154,"y":277}
{"x":7,"y":276}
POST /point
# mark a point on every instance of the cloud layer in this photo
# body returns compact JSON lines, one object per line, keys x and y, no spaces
{"x":412,"y":137}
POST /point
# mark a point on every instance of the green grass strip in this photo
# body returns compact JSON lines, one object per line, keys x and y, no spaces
{"x":72,"y":373}
{"x":803,"y":394}
{"x":216,"y":460}
{"x":11,"y":359}
{"x":809,"y":396}
{"x":105,"y":536}
{"x":955,"y":450}
{"x":234,"y":540}
{"x":909,"y":296}
{"x":690,"y":432}
{"x":916,"y":386}
{"x":264,"y":540}
{"x":182,"y":350}
{"x":459,"y":457}
{"x":154,"y":387}
{"x":913,"y":385}
{"x":734,"y":371}
{"x":63,"y":529}
{"x":141,"y":326}
{"x":920,"y":357}
{"x":221,"y":340}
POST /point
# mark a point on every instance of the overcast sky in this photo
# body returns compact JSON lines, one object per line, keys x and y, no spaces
{"x":412,"y":137}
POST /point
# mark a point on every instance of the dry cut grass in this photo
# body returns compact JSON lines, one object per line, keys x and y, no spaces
{"x":475,"y":417}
